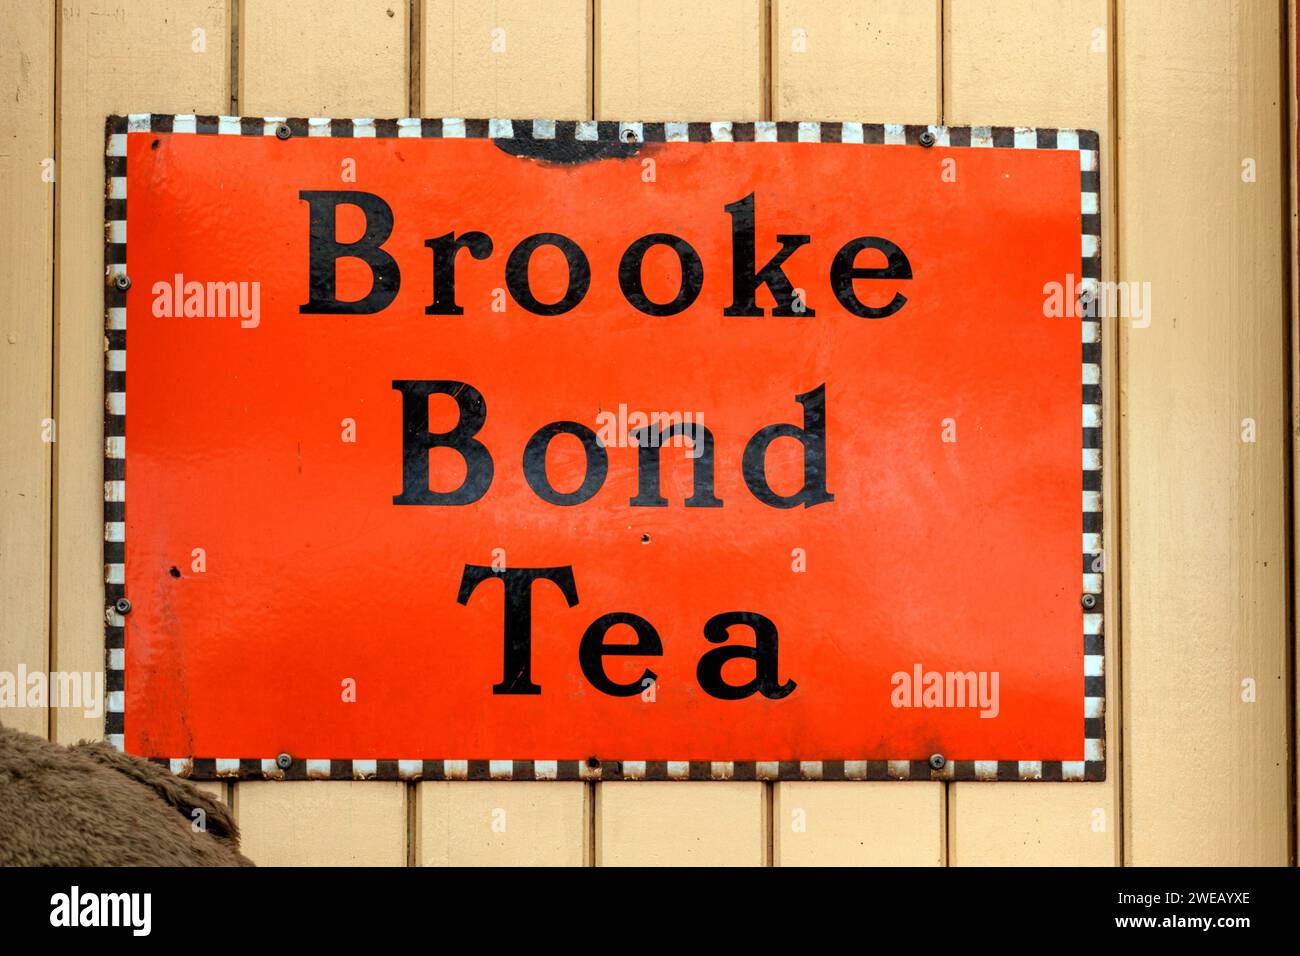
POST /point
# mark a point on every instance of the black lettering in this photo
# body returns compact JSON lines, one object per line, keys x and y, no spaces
{"x":517,"y":273}
{"x":647,"y":466}
{"x":444,"y":249}
{"x":593,"y":650}
{"x":517,"y":659}
{"x":417,"y":440}
{"x":813,"y":438}
{"x":324,"y":251}
{"x":745,"y":280}
{"x":764,"y":655}
{"x":535,"y":463}
{"x":843,"y":272}
{"x":629,"y":274}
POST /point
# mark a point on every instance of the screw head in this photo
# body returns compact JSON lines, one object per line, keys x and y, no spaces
{"x":284,"y":761}
{"x":121,"y":281}
{"x":122,"y":606}
{"x":927,"y":138}
{"x":282,"y":131}
{"x":593,"y":762}
{"x":936,"y":761}
{"x":1089,"y":601}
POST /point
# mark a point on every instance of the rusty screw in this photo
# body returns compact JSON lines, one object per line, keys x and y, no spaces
{"x":593,"y":762}
{"x":936,"y":761}
{"x":121,"y":281}
{"x":122,"y":606}
{"x":282,"y":131}
{"x":1089,"y":601}
{"x":284,"y":761}
{"x":927,"y":139}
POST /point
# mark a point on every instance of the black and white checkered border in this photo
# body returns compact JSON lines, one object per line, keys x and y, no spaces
{"x":1084,"y":142}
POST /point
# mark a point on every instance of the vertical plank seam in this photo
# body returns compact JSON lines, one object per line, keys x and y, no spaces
{"x":948,"y":825}
{"x":1117,"y":624}
{"x":232,"y":11}
{"x":588,"y":824}
{"x":51,"y":597}
{"x":1288,"y":450}
{"x":1292,"y":83}
{"x":768,"y":813}
{"x":414,"y":58}
{"x":232,"y":801}
{"x":942,"y":65}
{"x":411,"y":797}
{"x":767,"y":63}
{"x":593,"y":52}
{"x":1115,"y":368}
{"x":593,"y":830}
{"x":945,"y":58}
{"x":1284,"y":158}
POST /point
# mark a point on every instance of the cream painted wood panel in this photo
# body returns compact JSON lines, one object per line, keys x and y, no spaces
{"x":864,"y":62}
{"x":309,"y":57}
{"x":853,"y":823}
{"x":1005,"y":57}
{"x":875,"y":62}
{"x":294,"y":59}
{"x":516,"y":823}
{"x":114,"y":57}
{"x":322,"y":822}
{"x":1027,"y":63}
{"x":1034,"y":824}
{"x":26,"y":345}
{"x":544,"y":70}
{"x":213,"y":788}
{"x":511,"y":58}
{"x":1205,"y":576}
{"x":673,"y":823}
{"x":680,"y":60}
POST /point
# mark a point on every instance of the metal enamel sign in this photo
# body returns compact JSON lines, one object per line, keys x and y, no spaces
{"x":547,"y":450}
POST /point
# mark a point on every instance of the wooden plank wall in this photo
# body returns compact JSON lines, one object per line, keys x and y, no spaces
{"x":1183,"y":93}
{"x":27,"y":184}
{"x":1205,"y":511}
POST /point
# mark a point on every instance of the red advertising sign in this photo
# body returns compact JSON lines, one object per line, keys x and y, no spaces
{"x":607,"y":451}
